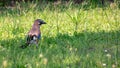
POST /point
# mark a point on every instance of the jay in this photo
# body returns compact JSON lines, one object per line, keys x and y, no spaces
{"x":34,"y":34}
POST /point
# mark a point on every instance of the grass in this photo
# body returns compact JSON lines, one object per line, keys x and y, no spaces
{"x":75,"y":36}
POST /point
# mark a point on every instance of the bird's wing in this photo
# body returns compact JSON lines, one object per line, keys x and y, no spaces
{"x":33,"y":37}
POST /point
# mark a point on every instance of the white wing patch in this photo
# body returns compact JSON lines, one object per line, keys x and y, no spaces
{"x":34,"y":38}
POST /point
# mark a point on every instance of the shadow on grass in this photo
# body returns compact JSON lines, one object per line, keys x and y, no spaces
{"x":62,"y":47}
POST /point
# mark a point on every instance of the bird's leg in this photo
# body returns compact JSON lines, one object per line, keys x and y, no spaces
{"x":29,"y":44}
{"x":36,"y":43}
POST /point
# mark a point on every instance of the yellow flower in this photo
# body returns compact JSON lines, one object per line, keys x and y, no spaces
{"x":45,"y":61}
{"x":5,"y":63}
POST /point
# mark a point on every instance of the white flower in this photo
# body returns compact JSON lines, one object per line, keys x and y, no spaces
{"x":70,"y":48}
{"x":106,"y":50}
{"x":104,"y":64}
{"x":108,"y":55}
{"x":40,"y":55}
{"x":75,"y":49}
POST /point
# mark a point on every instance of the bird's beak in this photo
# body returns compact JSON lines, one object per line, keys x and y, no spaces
{"x":44,"y":23}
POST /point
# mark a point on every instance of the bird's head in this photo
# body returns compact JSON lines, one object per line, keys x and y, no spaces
{"x":40,"y":22}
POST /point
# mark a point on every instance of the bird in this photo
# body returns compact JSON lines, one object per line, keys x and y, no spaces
{"x":34,"y":34}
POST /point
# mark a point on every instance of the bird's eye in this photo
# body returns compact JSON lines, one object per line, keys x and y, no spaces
{"x":39,"y":23}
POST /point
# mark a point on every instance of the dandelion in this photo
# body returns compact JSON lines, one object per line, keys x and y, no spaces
{"x":45,"y":61}
{"x":5,"y":63}
{"x":113,"y":66}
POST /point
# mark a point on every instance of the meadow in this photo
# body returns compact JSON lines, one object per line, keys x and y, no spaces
{"x":75,"y":36}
